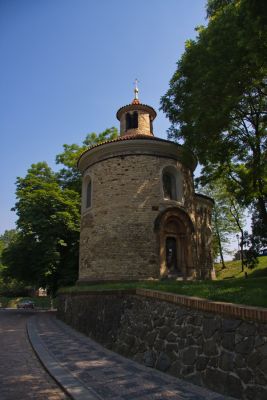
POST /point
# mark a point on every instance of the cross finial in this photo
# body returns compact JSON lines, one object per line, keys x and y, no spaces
{"x":136,"y":90}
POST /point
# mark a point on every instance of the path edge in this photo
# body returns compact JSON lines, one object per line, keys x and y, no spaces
{"x":63,"y":377}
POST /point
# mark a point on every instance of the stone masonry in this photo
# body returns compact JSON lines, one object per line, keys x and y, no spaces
{"x":225,"y":354}
{"x":134,"y":225}
{"x":119,"y":229}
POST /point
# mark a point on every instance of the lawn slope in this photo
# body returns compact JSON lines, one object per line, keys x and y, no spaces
{"x":230,"y":286}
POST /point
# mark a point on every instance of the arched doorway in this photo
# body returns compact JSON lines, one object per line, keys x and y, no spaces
{"x":175,"y":247}
{"x":176,"y":243}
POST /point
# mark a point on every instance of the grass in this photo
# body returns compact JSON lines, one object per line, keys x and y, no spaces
{"x":233,"y":270}
{"x":230,"y":286}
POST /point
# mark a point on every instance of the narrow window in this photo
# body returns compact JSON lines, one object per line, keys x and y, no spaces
{"x":89,"y":194}
{"x":131,"y":121}
{"x":128,"y":121}
{"x":169,"y":186}
{"x":135,"y":120}
{"x":151,"y":125}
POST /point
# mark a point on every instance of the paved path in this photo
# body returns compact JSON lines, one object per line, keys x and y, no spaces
{"x":22,"y":377}
{"x":89,"y":372}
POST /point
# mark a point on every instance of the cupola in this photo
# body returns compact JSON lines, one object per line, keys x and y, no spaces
{"x":136,"y":118}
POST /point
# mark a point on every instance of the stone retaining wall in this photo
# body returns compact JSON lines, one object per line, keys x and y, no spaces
{"x":223,"y":353}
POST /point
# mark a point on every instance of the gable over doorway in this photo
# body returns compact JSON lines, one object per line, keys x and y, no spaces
{"x":176,"y":243}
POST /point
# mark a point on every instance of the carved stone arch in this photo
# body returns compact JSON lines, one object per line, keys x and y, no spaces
{"x":175,"y":233}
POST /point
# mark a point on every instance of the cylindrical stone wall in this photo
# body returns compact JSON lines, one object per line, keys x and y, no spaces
{"x":118,"y":241}
{"x":143,"y":128}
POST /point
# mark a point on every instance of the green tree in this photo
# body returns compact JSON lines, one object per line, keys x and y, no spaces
{"x":69,"y":176}
{"x":5,"y":239}
{"x":227,"y":218}
{"x":45,"y":250}
{"x":217,"y":99}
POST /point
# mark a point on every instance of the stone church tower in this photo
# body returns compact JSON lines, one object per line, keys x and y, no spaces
{"x":141,"y":218}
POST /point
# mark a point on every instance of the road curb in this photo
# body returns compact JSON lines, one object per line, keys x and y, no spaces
{"x":72,"y":386}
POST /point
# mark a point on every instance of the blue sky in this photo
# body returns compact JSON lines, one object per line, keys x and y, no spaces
{"x":68,"y":65}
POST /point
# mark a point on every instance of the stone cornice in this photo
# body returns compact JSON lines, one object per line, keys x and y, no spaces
{"x":144,"y":145}
{"x":134,"y":107}
{"x":201,"y":198}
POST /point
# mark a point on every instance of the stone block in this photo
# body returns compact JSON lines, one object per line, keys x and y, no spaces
{"x":195,"y":379}
{"x":163,"y":362}
{"x":210,"y":326}
{"x":187,"y":370}
{"x":175,"y":368}
{"x":129,"y":340}
{"x":234,"y":386}
{"x":190,"y":341}
{"x":259,"y":341}
{"x":226,"y":361}
{"x":163,"y":332}
{"x":263,"y":330}
{"x":230,"y":325}
{"x":245,"y":346}
{"x":213,"y":362}
{"x":256,"y":393}
{"x":263,"y":350}
{"x":210,"y":348}
{"x":244,"y":374}
{"x":150,"y":338}
{"x":149,"y":359}
{"x":254,"y":359}
{"x":260,"y":378}
{"x":159,"y":344}
{"x":201,"y":363}
{"x":228,"y":341}
{"x":195,"y":320}
{"x":263,"y":366}
{"x":215,"y":379}
{"x":180,"y":313}
{"x":171,"y":337}
{"x":247,"y":329}
{"x":171,"y":347}
{"x":240,"y":361}
{"x":189,"y":356}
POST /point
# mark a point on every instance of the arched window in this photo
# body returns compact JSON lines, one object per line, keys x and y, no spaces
{"x":131,"y":120}
{"x":169,"y":186}
{"x":151,"y":125}
{"x":135,"y":120}
{"x":89,"y":194}
{"x":86,"y":193}
{"x":172,"y":183}
{"x":128,"y":121}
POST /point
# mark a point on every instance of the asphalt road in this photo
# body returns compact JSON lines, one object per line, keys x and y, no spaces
{"x":22,"y":377}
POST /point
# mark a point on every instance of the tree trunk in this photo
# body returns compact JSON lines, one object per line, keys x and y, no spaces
{"x":235,"y":214}
{"x":221,"y":252}
{"x":241,"y":249}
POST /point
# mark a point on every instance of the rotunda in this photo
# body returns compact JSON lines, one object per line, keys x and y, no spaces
{"x":140,"y":216}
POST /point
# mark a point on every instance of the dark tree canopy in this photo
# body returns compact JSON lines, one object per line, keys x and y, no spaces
{"x":217,"y":100}
{"x":48,"y":230}
{"x":44,"y":250}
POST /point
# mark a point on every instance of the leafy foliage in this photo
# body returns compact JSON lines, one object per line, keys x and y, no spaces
{"x":227,"y":218}
{"x":44,"y":252}
{"x":69,"y":176}
{"x":217,"y":99}
{"x":8,"y":284}
{"x":48,"y":224}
